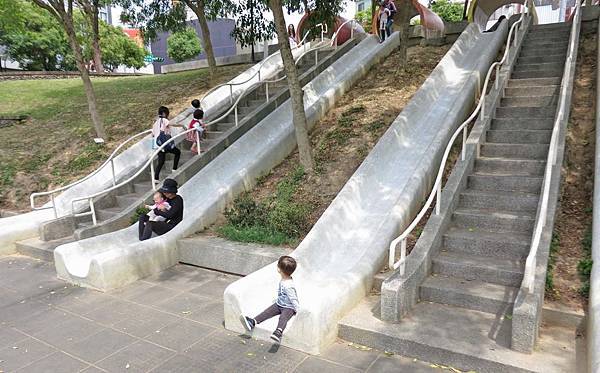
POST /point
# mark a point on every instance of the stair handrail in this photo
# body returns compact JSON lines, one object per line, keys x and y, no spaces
{"x":302,"y":43}
{"x":436,"y":191}
{"x":528,"y":282}
{"x":110,"y":160}
{"x":149,"y":162}
{"x":337,"y":31}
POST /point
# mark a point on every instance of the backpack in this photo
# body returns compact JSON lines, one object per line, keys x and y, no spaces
{"x":163,"y":138}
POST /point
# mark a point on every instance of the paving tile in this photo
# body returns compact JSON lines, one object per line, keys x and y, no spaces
{"x":141,"y":356}
{"x":37,"y":323}
{"x":182,"y":364}
{"x":182,"y":277}
{"x":213,"y":289}
{"x":10,"y":336}
{"x":347,"y":355}
{"x":114,"y":311}
{"x":393,"y":364}
{"x":8,"y":297}
{"x":70,"y":332}
{"x":93,"y":369}
{"x":180,"y":335}
{"x":313,"y":364}
{"x":83,"y":301}
{"x":209,"y":314}
{"x":57,"y":362}
{"x":148,"y":294}
{"x":100,"y":345}
{"x":22,"y":354}
{"x":183,"y":304}
{"x":146,"y":322}
{"x":14,"y":314}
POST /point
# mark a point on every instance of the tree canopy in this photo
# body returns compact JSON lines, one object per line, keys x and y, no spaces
{"x":183,"y":45}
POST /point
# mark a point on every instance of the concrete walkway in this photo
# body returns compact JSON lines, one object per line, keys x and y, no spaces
{"x":172,"y":322}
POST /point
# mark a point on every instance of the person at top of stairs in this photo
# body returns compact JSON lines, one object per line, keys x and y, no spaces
{"x":162,"y":126}
{"x":200,"y":127}
{"x":172,"y":215}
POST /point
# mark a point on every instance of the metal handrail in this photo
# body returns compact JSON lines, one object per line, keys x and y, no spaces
{"x":436,"y":191}
{"x":530,"y":264}
{"x":60,"y":189}
{"x":234,"y":107}
{"x":302,"y":43}
{"x":337,"y":32}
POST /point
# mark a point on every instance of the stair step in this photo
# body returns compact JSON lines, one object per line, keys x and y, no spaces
{"x":246,"y":110}
{"x":499,"y":200}
{"x":43,"y":250}
{"x":540,"y":66}
{"x":525,"y":112}
{"x":559,"y":57}
{"x":128,"y":199}
{"x":522,"y":123}
{"x":536,"y":74}
{"x":513,"y":167}
{"x":142,"y":187}
{"x":534,"y":82}
{"x":552,"y":27}
{"x":473,"y":295}
{"x":519,"y":136}
{"x":535,"y":51}
{"x":527,"y":101}
{"x":515,"y":151}
{"x":548,"y":90}
{"x":559,"y":42}
{"x":493,"y":220}
{"x":214,"y":134}
{"x":480,"y":181}
{"x":463,"y":339}
{"x":560,"y":37}
{"x":107,"y":213}
{"x":507,"y":272}
{"x":505,"y":245}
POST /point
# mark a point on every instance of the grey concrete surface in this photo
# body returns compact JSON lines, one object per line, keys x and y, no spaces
{"x":171,"y":322}
{"x":227,"y":256}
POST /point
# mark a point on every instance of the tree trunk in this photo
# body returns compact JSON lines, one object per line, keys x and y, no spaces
{"x":85,"y":76}
{"x":206,"y":43}
{"x":296,"y":93}
{"x":95,"y":23}
{"x":403,"y":19}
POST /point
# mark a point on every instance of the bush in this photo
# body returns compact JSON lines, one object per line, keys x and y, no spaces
{"x":141,"y":210}
{"x":365,"y":18}
{"x":183,"y":45}
{"x":448,"y":11}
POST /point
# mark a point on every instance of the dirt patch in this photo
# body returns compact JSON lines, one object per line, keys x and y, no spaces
{"x":575,"y":213}
{"x":345,"y":136}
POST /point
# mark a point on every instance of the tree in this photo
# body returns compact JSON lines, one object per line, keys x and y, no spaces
{"x":183,"y":45}
{"x":296,"y":93}
{"x":90,"y":10}
{"x":250,"y":28}
{"x":405,"y":11}
{"x":118,"y":49}
{"x":62,"y":10}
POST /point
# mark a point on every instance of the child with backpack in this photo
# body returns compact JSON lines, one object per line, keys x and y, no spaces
{"x":286,"y":305}
{"x":200,"y":127}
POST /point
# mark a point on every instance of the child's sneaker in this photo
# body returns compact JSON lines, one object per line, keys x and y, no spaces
{"x":248,"y":323}
{"x":276,"y":336}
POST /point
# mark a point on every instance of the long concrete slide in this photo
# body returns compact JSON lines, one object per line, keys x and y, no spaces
{"x":112,"y":260}
{"x":27,"y":225}
{"x":348,"y":245}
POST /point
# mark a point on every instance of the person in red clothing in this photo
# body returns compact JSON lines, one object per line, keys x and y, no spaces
{"x":200,"y":127}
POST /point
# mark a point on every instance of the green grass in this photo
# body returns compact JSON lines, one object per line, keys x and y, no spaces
{"x":584,"y":267}
{"x":255,"y":234}
{"x":55,"y":146}
{"x":554,"y":247}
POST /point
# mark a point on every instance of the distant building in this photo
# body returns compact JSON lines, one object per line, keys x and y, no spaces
{"x":363,"y":5}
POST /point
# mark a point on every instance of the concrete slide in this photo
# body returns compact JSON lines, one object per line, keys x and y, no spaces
{"x":24,"y":226}
{"x":348,"y":245}
{"x":115,"y":259}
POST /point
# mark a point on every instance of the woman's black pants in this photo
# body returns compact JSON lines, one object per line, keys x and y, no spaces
{"x":161,"y":160}
{"x":146,"y":227}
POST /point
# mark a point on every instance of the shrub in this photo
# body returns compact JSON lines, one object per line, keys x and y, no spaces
{"x":139,"y":211}
{"x":183,"y":45}
{"x":365,"y":18}
{"x":448,"y":11}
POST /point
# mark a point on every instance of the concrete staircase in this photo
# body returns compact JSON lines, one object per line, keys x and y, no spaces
{"x":120,"y":204}
{"x":463,"y":317}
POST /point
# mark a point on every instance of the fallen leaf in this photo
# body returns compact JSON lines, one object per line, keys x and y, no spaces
{"x":455,"y":370}
{"x":387,"y":353}
{"x":127,"y":366}
{"x":250,"y":354}
{"x":508,"y":317}
{"x":185,"y":312}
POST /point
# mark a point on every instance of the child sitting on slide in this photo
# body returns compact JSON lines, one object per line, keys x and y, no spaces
{"x":286,"y":304}
{"x":200,"y":127}
{"x":160,"y":202}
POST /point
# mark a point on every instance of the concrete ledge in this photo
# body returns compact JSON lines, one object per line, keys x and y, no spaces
{"x":227,"y":256}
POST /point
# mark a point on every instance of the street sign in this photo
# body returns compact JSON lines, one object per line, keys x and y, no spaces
{"x":152,"y":58}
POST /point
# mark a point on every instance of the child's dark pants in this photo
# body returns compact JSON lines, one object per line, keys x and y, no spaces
{"x":274,"y":310}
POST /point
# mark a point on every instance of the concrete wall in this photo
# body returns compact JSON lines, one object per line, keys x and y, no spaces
{"x":348,"y":245}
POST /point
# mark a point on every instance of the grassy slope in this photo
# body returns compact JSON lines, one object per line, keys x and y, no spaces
{"x":55,"y":146}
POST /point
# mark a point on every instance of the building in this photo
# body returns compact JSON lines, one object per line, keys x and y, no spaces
{"x":363,"y":5}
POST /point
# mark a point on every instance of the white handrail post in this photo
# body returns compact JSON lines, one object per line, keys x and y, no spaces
{"x":198,"y":141}
{"x":316,"y":57}
{"x":231,"y":93}
{"x":152,"y":174}
{"x":391,"y":255}
{"x":112,"y":167}
{"x":438,"y":198}
{"x":497,"y":76}
{"x":464,"y":144}
{"x":351,"y":30}
{"x":482,"y":105}
{"x":402,"y":251}
{"x":53,"y":205}
{"x":236,"y":115}
{"x":93,"y":211}
{"x":267,"y":90}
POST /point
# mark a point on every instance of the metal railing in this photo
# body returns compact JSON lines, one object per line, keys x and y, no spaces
{"x":562,"y":114}
{"x":90,"y":198}
{"x":301,"y":44}
{"x":110,"y":161}
{"x":436,"y":191}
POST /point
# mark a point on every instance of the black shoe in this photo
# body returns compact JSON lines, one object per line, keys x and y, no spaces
{"x":248,"y":323}
{"x":276,"y":336}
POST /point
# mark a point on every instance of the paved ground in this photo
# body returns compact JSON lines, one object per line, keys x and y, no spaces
{"x":172,"y":322}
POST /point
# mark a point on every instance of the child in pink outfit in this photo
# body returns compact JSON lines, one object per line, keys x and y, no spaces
{"x":160,"y":202}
